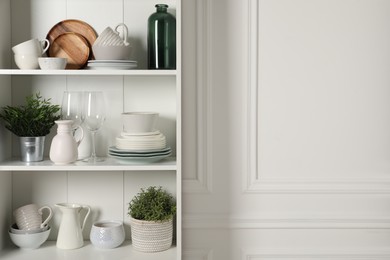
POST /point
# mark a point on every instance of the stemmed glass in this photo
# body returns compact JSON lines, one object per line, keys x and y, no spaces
{"x":72,"y":108}
{"x":93,"y":118}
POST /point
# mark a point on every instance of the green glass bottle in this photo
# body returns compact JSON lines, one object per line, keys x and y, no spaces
{"x":162,"y":39}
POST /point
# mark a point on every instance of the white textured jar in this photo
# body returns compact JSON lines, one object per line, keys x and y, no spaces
{"x":107,"y":234}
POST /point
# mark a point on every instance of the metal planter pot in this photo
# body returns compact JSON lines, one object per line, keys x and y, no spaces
{"x":31,"y":148}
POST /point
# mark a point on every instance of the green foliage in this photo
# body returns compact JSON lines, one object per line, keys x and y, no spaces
{"x":152,"y":204}
{"x":36,"y":118}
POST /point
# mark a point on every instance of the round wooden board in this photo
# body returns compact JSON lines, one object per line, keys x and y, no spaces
{"x":72,"y":46}
{"x":75,"y":26}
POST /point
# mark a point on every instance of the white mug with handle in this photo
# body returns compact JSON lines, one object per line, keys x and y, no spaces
{"x":29,"y":217}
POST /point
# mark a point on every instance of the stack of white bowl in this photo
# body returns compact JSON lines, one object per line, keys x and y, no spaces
{"x":140,"y":141}
{"x":111,"y":51}
{"x":29,"y":231}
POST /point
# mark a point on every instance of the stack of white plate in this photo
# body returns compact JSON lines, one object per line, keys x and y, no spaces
{"x":112,"y":64}
{"x":140,"y":147}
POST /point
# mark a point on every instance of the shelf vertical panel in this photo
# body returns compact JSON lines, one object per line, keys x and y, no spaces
{"x":179,"y":128}
{"x":5,"y":144}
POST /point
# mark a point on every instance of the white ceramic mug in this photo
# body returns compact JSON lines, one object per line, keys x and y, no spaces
{"x":32,"y":47}
{"x":29,"y":217}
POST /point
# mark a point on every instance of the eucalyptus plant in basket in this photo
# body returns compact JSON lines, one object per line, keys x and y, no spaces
{"x":151,"y":213}
{"x":31,"y":122}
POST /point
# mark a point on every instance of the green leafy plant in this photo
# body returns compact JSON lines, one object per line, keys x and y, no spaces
{"x":35,"y":118}
{"x":152,"y":204}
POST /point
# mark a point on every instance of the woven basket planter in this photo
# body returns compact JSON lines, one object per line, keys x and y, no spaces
{"x":151,"y":236}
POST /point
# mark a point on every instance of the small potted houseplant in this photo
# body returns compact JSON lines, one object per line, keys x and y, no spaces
{"x":151,"y":213}
{"x":31,"y":122}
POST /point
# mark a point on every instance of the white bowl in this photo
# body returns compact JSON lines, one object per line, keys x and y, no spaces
{"x":52,"y":63}
{"x":26,"y":61}
{"x":14,"y":229}
{"x":29,"y":241}
{"x":107,"y":234}
{"x":139,"y":122}
{"x":111,"y":52}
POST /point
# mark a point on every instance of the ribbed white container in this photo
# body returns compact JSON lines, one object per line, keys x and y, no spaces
{"x":151,"y":236}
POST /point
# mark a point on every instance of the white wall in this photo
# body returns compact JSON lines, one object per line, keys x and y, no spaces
{"x":286,"y":129}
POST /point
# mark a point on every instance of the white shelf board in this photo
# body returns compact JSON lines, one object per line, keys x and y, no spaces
{"x":49,"y":251}
{"x":109,"y":164}
{"x":87,"y":72}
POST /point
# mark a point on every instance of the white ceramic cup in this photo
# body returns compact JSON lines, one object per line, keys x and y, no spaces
{"x":29,"y":217}
{"x":107,"y":234}
{"x":32,"y":47}
{"x":26,"y":61}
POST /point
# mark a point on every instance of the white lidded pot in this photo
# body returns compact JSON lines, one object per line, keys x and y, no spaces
{"x":63,"y":149}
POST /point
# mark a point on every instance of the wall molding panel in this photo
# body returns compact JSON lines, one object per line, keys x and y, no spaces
{"x":220,"y":221}
{"x":314,"y":254}
{"x":198,"y":254}
{"x":254,"y":181}
{"x":203,"y":181}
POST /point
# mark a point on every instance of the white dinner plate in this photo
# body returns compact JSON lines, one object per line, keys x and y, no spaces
{"x":125,"y":134}
{"x":137,"y":160}
{"x":125,"y":151}
{"x":112,"y":61}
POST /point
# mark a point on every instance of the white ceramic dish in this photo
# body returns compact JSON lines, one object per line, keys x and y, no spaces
{"x":111,"y":52}
{"x":14,"y":229}
{"x":52,"y":63}
{"x":112,"y":67}
{"x":150,"y":159}
{"x":124,"y":134}
{"x":139,"y":122}
{"x":107,"y":234}
{"x":29,"y":241}
{"x":112,"y":61}
{"x":124,"y":151}
{"x":138,"y":154}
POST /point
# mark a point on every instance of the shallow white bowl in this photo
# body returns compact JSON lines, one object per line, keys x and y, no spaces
{"x":52,"y":63}
{"x":29,"y":241}
{"x":26,"y":61}
{"x":111,"y":52}
{"x":139,"y":122}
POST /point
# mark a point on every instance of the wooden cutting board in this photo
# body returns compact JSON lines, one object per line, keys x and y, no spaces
{"x":75,"y":26}
{"x":72,"y":46}
{"x":72,"y":25}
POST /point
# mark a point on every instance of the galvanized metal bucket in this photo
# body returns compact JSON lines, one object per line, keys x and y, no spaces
{"x":31,"y":148}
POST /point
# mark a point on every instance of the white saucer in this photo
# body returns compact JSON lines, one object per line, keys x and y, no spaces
{"x":112,"y":61}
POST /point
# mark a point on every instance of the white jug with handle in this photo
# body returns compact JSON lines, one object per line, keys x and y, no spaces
{"x":63,"y":149}
{"x":70,"y":234}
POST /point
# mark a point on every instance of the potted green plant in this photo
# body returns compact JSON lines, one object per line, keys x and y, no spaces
{"x":31,"y":122}
{"x":151,"y":213}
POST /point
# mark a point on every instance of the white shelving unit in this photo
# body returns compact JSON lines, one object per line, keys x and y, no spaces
{"x":151,"y":73}
{"x":48,"y":252}
{"x":45,"y":183}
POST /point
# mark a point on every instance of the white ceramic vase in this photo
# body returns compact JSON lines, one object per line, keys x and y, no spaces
{"x":63,"y":149}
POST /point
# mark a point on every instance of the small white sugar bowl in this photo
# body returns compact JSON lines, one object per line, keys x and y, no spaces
{"x":107,"y":234}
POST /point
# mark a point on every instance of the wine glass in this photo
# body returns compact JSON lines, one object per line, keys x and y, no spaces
{"x":72,"y":107}
{"x":93,"y":118}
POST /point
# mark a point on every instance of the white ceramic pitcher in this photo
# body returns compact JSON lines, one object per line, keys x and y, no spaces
{"x":70,"y":234}
{"x":63,"y":149}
